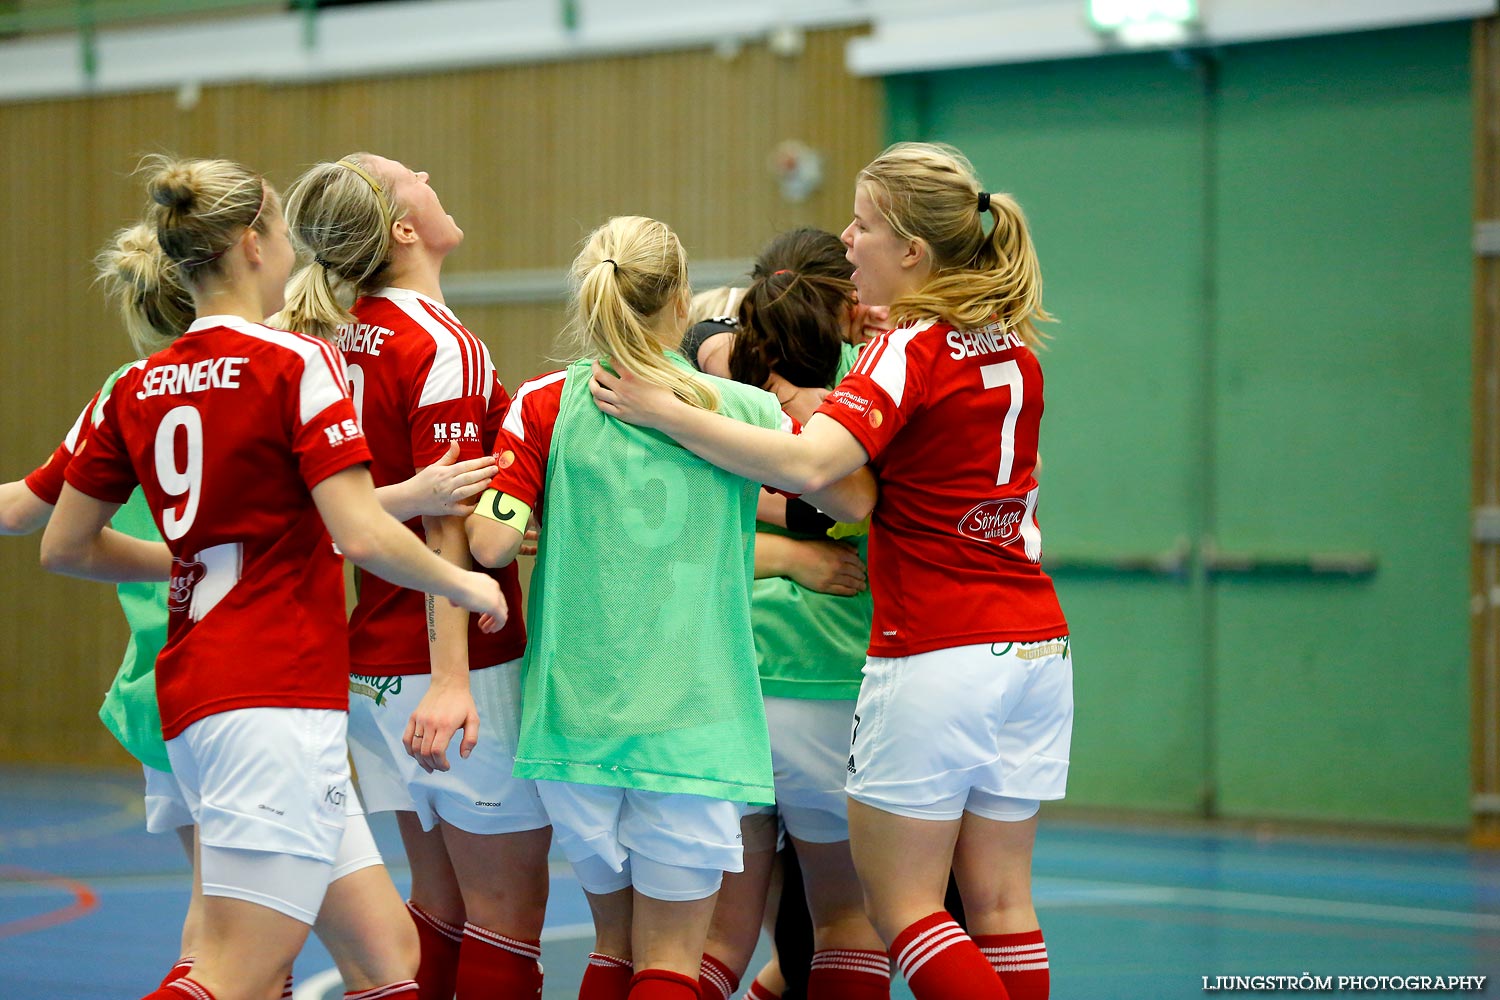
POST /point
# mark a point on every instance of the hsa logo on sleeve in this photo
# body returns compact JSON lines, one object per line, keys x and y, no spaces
{"x":344,"y":430}
{"x":457,"y":430}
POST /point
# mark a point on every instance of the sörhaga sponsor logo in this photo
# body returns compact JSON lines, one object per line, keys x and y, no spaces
{"x":997,"y":521}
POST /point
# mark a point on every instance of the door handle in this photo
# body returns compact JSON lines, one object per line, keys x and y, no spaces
{"x":1172,"y":563}
{"x":1337,"y":565}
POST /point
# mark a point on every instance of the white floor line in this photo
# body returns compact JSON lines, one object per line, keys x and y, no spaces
{"x":1088,"y":893}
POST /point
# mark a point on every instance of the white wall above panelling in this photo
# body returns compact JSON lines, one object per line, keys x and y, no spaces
{"x":389,"y":38}
{"x":941,"y":34}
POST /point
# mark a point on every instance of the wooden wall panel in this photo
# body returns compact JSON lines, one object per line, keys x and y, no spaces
{"x":527,"y":158}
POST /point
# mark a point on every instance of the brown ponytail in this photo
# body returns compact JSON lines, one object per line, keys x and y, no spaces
{"x":793,"y":315}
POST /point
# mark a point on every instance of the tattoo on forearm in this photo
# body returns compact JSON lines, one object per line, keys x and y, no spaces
{"x":431,"y":618}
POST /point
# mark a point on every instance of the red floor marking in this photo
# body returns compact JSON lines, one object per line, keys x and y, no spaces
{"x":84,"y":900}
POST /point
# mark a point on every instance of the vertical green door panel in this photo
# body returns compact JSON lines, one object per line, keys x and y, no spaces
{"x":1263,"y":295}
{"x":1105,"y":157}
{"x":1342,"y":348}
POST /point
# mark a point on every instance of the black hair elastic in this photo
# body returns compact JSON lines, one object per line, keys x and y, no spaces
{"x":984,"y":201}
{"x":611,"y":263}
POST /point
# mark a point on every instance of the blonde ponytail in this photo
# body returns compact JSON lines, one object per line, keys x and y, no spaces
{"x":312,"y":306}
{"x":630,"y":269}
{"x":929,"y":192}
{"x":154,"y":306}
{"x":340,"y":214}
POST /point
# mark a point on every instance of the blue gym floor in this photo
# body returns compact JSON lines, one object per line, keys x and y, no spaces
{"x":90,"y":904}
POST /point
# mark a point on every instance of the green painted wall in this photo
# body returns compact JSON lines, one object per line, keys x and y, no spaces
{"x":1261,"y":267}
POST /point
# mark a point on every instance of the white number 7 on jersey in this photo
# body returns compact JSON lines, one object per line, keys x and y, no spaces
{"x":1006,"y":373}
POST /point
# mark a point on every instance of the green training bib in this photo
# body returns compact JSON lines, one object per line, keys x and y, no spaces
{"x":640,"y":669}
{"x":129,"y":711}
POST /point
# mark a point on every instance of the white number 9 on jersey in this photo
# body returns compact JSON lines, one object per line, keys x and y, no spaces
{"x":176,"y":482}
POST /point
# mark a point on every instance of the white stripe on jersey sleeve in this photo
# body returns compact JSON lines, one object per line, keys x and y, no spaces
{"x":456,"y":359}
{"x":889,"y":370}
{"x":487,"y":373}
{"x":471,"y":346}
{"x":70,"y":442}
{"x":514,"y":422}
{"x":98,"y":415}
{"x":335,"y":358}
{"x":321,"y":384}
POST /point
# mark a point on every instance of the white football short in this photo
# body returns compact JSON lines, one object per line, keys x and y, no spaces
{"x":983,"y":728}
{"x":166,"y":809}
{"x":269,"y":789}
{"x":668,"y":846}
{"x":809,"y":757}
{"x":479,"y":794}
{"x":357,"y":848}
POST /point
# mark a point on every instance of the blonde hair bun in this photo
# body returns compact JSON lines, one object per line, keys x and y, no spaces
{"x":173,"y":184}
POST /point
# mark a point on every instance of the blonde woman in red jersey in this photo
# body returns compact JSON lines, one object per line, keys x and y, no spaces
{"x":244,"y":442}
{"x":964,"y":718}
{"x":361,"y":919}
{"x":476,"y":836}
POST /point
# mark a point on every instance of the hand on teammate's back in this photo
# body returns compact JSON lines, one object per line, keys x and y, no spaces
{"x":802,"y":402}
{"x":829,"y":567}
{"x":628,"y":398}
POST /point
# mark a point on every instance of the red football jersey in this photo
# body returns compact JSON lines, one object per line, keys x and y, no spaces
{"x":950,"y":419}
{"x":420,"y":381}
{"x":46,"y":481}
{"x":525,"y":438}
{"x":227,"y":431}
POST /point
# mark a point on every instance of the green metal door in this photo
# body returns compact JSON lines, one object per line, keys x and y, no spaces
{"x":1255,"y":452}
{"x":1341,"y":424}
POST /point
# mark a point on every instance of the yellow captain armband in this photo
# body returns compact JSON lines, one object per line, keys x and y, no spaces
{"x":504,"y":508}
{"x":845,"y":529}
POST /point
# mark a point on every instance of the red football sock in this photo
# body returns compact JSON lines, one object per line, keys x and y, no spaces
{"x":286,"y":988}
{"x":437,"y":970}
{"x":492,"y":965}
{"x":183,"y":967}
{"x":759,"y":991}
{"x":181,"y":988}
{"x":941,"y":962}
{"x":849,"y":974}
{"x":406,"y":989}
{"x":716,"y":981}
{"x":659,"y":984}
{"x":606,"y":978}
{"x":1021,"y":962}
